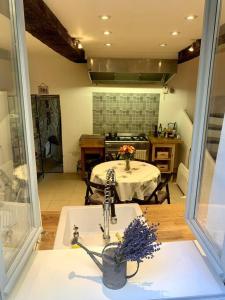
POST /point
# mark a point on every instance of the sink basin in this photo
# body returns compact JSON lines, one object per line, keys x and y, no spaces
{"x":88,"y":218}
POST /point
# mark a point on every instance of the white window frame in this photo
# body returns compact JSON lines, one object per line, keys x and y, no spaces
{"x":206,"y":66}
{"x":8,"y":279}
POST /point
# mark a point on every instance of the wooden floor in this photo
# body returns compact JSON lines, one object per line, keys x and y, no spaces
{"x":172,"y":225}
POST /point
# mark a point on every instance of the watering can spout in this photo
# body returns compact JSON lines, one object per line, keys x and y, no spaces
{"x":92,"y":255}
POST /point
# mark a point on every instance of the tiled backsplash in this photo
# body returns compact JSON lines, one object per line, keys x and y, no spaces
{"x":125,"y":112}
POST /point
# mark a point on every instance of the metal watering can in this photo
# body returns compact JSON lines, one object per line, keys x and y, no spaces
{"x":114,"y":273}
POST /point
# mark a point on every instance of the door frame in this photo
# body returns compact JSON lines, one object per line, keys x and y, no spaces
{"x":205,"y":75}
{"x":8,"y":279}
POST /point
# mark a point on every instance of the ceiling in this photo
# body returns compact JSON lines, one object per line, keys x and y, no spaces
{"x":138,"y":26}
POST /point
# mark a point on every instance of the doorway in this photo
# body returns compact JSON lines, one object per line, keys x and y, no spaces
{"x":46,"y":114}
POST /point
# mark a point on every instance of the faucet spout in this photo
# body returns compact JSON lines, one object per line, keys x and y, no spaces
{"x":108,"y":205}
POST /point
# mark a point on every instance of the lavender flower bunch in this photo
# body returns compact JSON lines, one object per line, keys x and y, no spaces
{"x":139,"y":241}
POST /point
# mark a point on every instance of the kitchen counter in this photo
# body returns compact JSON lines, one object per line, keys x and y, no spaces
{"x":178,"y":271}
{"x":92,"y":141}
{"x":162,"y":140}
{"x":91,"y":144}
{"x":171,"y":218}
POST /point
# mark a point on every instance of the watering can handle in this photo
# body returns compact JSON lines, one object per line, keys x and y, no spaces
{"x":110,"y":244}
{"x":128,"y":276}
{"x":132,"y":275}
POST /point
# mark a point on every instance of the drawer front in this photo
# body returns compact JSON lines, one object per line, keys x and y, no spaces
{"x":163,"y":167}
{"x":162,"y":154}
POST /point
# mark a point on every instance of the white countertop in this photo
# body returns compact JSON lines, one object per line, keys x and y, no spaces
{"x":177,"y":271}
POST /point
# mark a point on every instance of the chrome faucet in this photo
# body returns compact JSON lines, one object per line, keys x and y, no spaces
{"x":75,"y":235}
{"x":109,"y":204}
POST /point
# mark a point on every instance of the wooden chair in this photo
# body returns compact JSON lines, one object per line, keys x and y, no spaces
{"x":159,"y":195}
{"x":110,"y":157}
{"x":141,"y":160}
{"x":91,"y":164}
{"x":95,"y":193}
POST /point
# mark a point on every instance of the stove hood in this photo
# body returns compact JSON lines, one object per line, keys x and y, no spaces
{"x":129,"y":71}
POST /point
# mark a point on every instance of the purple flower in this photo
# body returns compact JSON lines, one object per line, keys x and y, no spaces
{"x":139,"y":241}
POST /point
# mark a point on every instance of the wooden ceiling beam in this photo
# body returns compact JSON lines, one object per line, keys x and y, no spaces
{"x":44,"y":25}
{"x":185,"y":54}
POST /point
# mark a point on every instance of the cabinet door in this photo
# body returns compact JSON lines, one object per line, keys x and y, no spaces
{"x":19,"y":209}
{"x":206,"y":196}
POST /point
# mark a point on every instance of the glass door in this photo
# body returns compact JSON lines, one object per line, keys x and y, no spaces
{"x":206,"y":198}
{"x":19,"y":210}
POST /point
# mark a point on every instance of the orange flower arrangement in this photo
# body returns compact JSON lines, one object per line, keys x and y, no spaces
{"x":127,"y":151}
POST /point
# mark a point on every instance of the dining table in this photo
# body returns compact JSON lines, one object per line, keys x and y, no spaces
{"x":138,"y":182}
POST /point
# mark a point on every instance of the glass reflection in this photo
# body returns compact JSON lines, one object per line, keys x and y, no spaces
{"x":210,"y":212}
{"x":15,"y":217}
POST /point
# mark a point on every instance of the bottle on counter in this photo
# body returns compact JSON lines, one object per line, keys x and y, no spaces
{"x":155,"y":131}
{"x":160,"y":130}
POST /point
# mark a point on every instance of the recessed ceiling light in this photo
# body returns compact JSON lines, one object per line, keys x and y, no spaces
{"x":191,"y":17}
{"x":108,"y":44}
{"x":175,"y":33}
{"x":106,"y":32}
{"x":105,"y":17}
{"x":163,"y":45}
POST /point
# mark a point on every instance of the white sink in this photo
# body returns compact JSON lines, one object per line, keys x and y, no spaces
{"x":88,"y":218}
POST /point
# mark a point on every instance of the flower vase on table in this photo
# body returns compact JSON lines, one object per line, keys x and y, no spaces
{"x":127,"y":167}
{"x":127,"y":152}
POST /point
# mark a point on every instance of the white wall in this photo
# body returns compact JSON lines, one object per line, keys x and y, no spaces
{"x":184,"y":83}
{"x":185,"y":130}
{"x":72,"y":83}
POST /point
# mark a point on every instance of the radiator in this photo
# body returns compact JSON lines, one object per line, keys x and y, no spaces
{"x":182,"y":178}
{"x":7,"y":217}
{"x":141,"y":154}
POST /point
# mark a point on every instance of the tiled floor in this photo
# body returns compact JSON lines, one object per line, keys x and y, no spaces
{"x":57,"y":190}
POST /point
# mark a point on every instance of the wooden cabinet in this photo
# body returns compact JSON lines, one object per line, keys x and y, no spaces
{"x":91,"y":144}
{"x":163,"y":153}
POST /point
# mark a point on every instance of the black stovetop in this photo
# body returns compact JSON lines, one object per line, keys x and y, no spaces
{"x":133,"y":138}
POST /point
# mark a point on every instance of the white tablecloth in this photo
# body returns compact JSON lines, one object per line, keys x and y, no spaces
{"x":139,"y":182}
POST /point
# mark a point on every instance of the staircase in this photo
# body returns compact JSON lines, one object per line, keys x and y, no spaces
{"x":214,"y":131}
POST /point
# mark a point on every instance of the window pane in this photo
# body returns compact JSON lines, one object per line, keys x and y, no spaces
{"x":210,"y":212}
{"x":15,"y":210}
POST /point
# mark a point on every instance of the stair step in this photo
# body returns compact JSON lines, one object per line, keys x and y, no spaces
{"x":215,"y":127}
{"x":217,"y":115}
{"x":213,"y":140}
{"x":213,"y":134}
{"x":212,"y":148}
{"x":216,"y":121}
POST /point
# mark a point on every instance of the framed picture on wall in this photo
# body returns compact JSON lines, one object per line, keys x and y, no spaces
{"x":43,"y":89}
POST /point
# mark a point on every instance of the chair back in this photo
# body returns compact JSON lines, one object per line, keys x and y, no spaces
{"x":110,"y":156}
{"x":164,"y":183}
{"x":159,"y":187}
{"x":100,"y":187}
{"x":92,"y":164}
{"x":153,"y":198}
